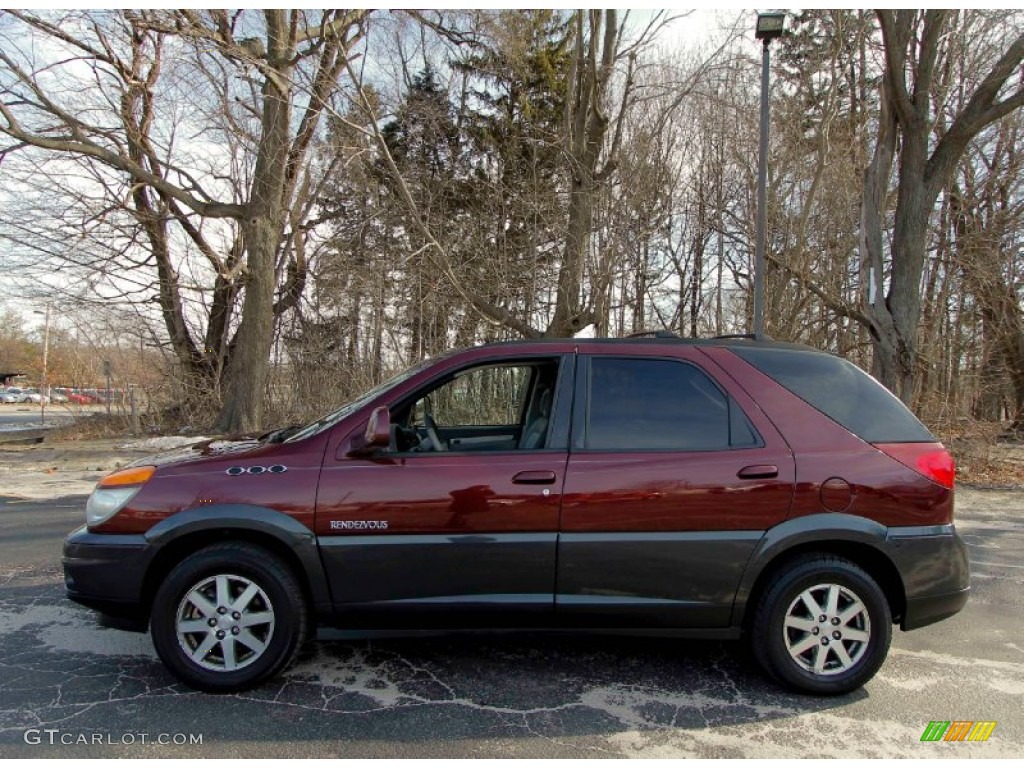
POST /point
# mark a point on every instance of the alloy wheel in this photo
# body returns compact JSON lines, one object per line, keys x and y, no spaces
{"x":826,"y":629}
{"x":225,"y":622}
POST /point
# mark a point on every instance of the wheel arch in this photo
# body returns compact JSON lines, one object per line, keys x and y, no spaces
{"x":177,"y":537}
{"x":856,"y":539}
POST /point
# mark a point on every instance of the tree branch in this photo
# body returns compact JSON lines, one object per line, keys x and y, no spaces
{"x":928,"y":51}
{"x":834,"y":305}
{"x":981,"y":110}
{"x":488,"y":310}
{"x":895,"y":36}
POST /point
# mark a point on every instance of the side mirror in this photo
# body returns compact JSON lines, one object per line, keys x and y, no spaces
{"x":377,"y":434}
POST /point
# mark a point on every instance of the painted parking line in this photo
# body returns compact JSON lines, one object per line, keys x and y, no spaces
{"x":36,"y":501}
{"x":996,"y":565}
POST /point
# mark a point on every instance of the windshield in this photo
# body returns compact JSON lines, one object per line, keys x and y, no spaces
{"x":334,"y":417}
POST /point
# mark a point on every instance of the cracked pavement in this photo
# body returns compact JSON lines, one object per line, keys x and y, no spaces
{"x":501,"y":695}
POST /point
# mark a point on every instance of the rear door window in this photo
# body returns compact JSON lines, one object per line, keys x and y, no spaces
{"x":637,"y":404}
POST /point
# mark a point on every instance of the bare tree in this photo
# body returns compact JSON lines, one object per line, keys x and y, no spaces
{"x":915,"y":133}
{"x":587,"y":120}
{"x":271,"y":53}
{"x":987,"y":211}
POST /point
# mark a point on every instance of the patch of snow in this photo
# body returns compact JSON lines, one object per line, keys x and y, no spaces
{"x":69,"y":629}
{"x":50,"y":424}
{"x":164,"y":443}
{"x":47,"y":484}
{"x":220,"y":445}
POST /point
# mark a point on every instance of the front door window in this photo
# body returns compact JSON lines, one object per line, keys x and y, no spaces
{"x":494,"y":407}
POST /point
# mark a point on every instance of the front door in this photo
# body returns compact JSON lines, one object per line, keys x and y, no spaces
{"x":457,"y":522}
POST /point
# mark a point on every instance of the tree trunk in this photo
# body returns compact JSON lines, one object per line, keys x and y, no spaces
{"x":567,"y":319}
{"x":586,"y":125}
{"x":246,"y":375}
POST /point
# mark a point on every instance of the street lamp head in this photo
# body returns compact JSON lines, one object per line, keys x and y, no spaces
{"x":770,"y":25}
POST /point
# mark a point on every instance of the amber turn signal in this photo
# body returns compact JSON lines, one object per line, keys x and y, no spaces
{"x":130,"y":476}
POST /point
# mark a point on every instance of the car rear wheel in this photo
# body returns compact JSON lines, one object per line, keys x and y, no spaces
{"x":823,"y":626}
{"x":228,"y":617}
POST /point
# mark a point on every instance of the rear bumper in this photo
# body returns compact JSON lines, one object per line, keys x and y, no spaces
{"x":922,"y":611}
{"x":935,"y":570}
{"x":105,"y":572}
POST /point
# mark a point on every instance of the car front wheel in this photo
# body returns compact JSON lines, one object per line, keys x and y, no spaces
{"x":823,"y":626}
{"x":228,"y":617}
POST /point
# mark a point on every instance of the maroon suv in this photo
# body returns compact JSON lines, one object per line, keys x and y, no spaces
{"x":699,"y":488}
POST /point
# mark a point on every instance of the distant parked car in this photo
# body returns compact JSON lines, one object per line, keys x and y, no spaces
{"x":80,"y":398}
{"x":17,"y":393}
{"x":57,"y":396}
{"x":97,"y":395}
{"x":8,"y":397}
{"x":34,"y":396}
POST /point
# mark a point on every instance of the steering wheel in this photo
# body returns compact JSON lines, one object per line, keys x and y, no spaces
{"x":431,"y":426}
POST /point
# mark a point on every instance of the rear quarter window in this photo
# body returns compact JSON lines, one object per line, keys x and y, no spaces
{"x":841,"y":391}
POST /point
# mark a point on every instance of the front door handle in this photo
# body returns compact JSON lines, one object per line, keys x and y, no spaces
{"x":758,"y":471}
{"x":534,"y":477}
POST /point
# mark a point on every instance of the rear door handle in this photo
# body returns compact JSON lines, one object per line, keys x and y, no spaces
{"x":534,"y":477}
{"x":756,"y":471}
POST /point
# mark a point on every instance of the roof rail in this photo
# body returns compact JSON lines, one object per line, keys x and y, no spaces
{"x":751,"y":336}
{"x":659,"y":334}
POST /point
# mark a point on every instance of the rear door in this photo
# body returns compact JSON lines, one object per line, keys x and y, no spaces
{"x":673,"y":476}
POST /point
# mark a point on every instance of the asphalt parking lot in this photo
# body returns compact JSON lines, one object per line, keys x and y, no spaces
{"x":16,"y":416}
{"x":69,"y":688}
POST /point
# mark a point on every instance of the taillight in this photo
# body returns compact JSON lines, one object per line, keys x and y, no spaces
{"x":930,"y":459}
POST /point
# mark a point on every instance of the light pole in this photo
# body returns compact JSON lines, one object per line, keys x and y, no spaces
{"x":769,"y":26}
{"x":43,"y":388}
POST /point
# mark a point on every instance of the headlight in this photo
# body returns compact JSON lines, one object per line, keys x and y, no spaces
{"x":113,"y":492}
{"x":107,"y":502}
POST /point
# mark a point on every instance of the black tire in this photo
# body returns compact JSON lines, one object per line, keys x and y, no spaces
{"x":277,"y":609}
{"x":777,"y":646}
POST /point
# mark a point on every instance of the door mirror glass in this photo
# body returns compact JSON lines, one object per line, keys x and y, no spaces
{"x":377,"y":434}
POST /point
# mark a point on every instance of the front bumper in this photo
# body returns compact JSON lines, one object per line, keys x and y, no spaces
{"x":105,"y":572}
{"x":935,"y":570}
